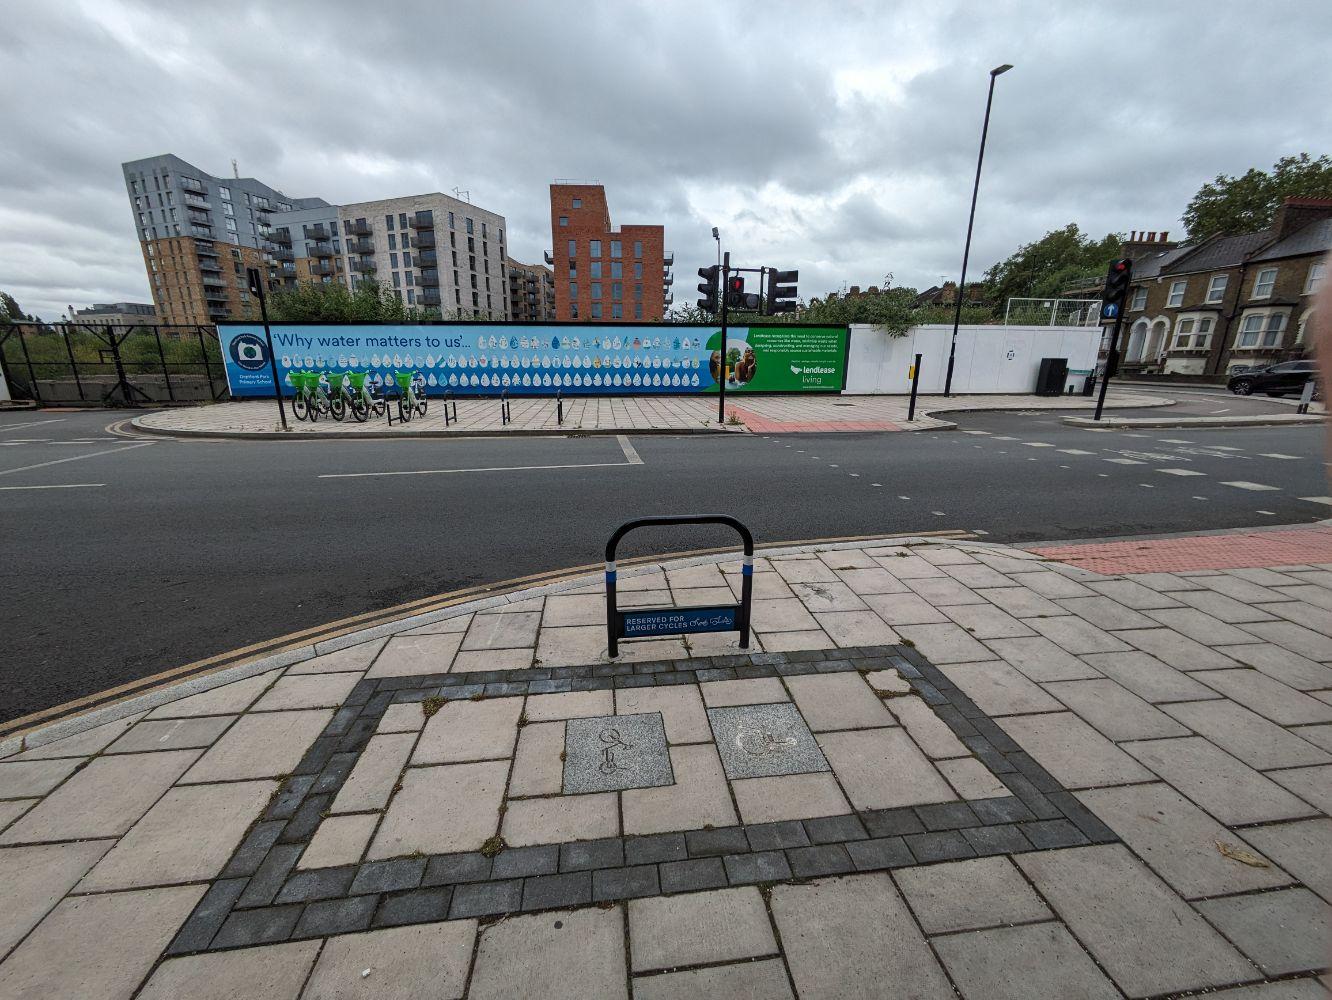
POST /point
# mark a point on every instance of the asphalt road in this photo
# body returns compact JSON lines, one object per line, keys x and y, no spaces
{"x":123,"y":557}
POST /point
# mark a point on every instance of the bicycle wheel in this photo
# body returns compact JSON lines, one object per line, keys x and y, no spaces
{"x":337,"y":406}
{"x":360,"y":409}
{"x":321,"y":403}
{"x":421,"y":406}
{"x":405,"y":409}
{"x":300,"y":407}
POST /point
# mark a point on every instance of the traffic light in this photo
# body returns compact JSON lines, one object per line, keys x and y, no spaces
{"x":781,"y":291}
{"x":708,"y":286}
{"x":736,"y":298}
{"x":1117,"y":281}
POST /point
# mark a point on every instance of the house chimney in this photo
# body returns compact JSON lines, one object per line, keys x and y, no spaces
{"x":1164,"y":235}
{"x":1296,"y":213}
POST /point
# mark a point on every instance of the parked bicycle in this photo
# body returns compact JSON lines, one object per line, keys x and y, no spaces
{"x":305,"y":403}
{"x":363,"y":402}
{"x":411,"y":394}
{"x":340,"y":397}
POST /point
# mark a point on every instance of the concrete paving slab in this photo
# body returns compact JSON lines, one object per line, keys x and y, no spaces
{"x":613,"y":752}
{"x":971,"y":779}
{"x":1105,"y":613}
{"x":349,"y":659}
{"x":1179,"y":841}
{"x":324,"y":690}
{"x":1291,"y":669}
{"x":1021,"y":602}
{"x":470,"y":730}
{"x":1313,"y":784}
{"x":1013,"y":963}
{"x":70,"y":953}
{"x":966,"y":895}
{"x":560,"y":818}
{"x":260,"y":746}
{"x":172,"y":734}
{"x":471,"y":660}
{"x":1176,"y":650}
{"x":569,"y":705}
{"x":83,"y":744}
{"x":510,"y":630}
{"x":272,"y":972}
{"x":1281,"y":932}
{"x":836,"y":701}
{"x":370,"y":784}
{"x":1113,"y":711}
{"x":105,"y":799}
{"x":1268,"y":697}
{"x":758,"y":691}
{"x":998,"y":689}
{"x":417,"y":961}
{"x":1230,"y":790}
{"x":187,"y":836}
{"x":760,"y":980}
{"x":36,"y":878}
{"x":537,"y":769}
{"x":905,"y":609}
{"x":942,"y":644}
{"x":1074,"y":753}
{"x":1301,"y":848}
{"x":405,"y":655}
{"x":21,"y":779}
{"x":699,"y":928}
{"x":984,"y":621}
{"x":699,"y":798}
{"x":856,"y":628}
{"x":441,"y":810}
{"x":930,"y":732}
{"x":1148,"y":677}
{"x":226,"y":699}
{"x":883,"y":769}
{"x":1147,"y":938}
{"x":792,"y":796}
{"x":783,"y":642}
{"x":681,"y":709}
{"x":1073,"y":635}
{"x":339,"y":840}
{"x":763,"y":740}
{"x":1296,"y":638}
{"x":1246,"y":735}
{"x":1041,"y":660}
{"x":854,"y":937}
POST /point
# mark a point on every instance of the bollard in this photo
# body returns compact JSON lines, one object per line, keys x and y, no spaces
{"x":1306,"y":397}
{"x":504,"y":406}
{"x":559,"y":407}
{"x":915,"y":383}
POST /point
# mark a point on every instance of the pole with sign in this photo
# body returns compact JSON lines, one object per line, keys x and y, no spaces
{"x":1117,"y":281}
{"x":257,"y":290}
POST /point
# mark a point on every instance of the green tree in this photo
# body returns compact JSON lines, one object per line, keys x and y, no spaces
{"x":1058,"y":259}
{"x":334,"y":302}
{"x":9,"y":309}
{"x":1247,"y":203}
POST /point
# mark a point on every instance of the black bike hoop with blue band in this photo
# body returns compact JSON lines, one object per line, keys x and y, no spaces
{"x":643,"y":623}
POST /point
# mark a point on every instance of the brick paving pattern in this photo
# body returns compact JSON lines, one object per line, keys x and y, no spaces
{"x":757,"y":414}
{"x":1235,"y":550}
{"x":1042,"y":780}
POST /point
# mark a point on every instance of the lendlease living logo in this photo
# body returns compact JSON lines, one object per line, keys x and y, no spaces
{"x":812,"y":370}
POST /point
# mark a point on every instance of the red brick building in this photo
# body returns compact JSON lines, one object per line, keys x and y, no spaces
{"x":605,"y":273}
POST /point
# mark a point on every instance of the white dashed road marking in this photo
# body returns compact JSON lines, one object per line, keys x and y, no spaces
{"x":1125,"y":461}
{"x":1242,"y":485}
{"x":975,"y":432}
{"x":1075,"y":451}
{"x":1181,"y":472}
{"x":1037,"y":444}
{"x":1172,"y":441}
{"x":1322,"y":500}
{"x":1276,"y":454}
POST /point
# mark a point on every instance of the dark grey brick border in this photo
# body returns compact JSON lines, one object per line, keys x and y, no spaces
{"x":259,"y":899}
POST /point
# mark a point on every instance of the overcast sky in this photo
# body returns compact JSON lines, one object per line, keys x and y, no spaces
{"x":839,"y":139}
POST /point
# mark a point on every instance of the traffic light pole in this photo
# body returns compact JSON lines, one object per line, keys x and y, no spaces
{"x":257,"y":287}
{"x":721,"y":367}
{"x":1111,"y":362}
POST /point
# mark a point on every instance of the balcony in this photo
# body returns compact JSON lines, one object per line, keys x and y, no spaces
{"x":194,"y":201}
{"x":282,"y":236}
{"x":428,"y":279}
{"x":193,"y":184}
{"x":321,"y":268}
{"x":200,"y":218}
{"x":359,"y":228}
{"x":318,"y":231}
{"x":318,"y":249}
{"x":427,"y":297}
{"x":212,"y":281}
{"x":281,"y":253}
{"x":218,"y":311}
{"x":424,"y":241}
{"x":426,"y":258}
{"x":288,"y":270}
{"x":668,"y":280}
{"x":215,"y":294}
{"x":549,"y":257}
{"x":209,"y":266}
{"x":668,"y":258}
{"x":422,"y":220}
{"x":366,"y":265}
{"x":363,"y":245}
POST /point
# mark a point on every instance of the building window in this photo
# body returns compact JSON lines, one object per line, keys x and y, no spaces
{"x":573,"y":269}
{"x":578,"y":203}
{"x":617,"y":311}
{"x":596,"y":248}
{"x":638,"y":270}
{"x":616,"y":252}
{"x":1183,"y":334}
{"x":596,"y":289}
{"x":596,"y":310}
{"x":1176,"y":297}
{"x":402,"y":220}
{"x":388,"y":221}
{"x":1139,"y":295}
{"x":393,"y":240}
{"x":617,"y":269}
{"x":573,"y":249}
{"x":469,"y":231}
{"x":564,"y":220}
{"x":638,"y":310}
{"x":617,"y":291}
{"x":1315,"y":278}
{"x":596,"y":269}
{"x":1276,"y":326}
{"x":225,"y":192}
{"x":1264,"y":282}
{"x":406,"y":260}
{"x":638,"y":293}
{"x":411,"y":279}
{"x":1261,"y":330}
{"x":573,"y":289}
{"x":573,"y":310}
{"x":638,"y":248}
{"x":1216,"y":288}
{"x":397,"y":279}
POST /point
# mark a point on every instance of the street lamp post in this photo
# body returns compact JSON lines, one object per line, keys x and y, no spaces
{"x":971,"y":219}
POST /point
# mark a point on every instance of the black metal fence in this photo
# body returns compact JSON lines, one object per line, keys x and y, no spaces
{"x":96,"y":364}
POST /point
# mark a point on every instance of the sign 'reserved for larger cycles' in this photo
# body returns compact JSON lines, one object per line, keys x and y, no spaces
{"x":540,"y":359}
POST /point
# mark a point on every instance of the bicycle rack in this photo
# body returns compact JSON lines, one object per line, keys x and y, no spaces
{"x":390,"y":402}
{"x":449,"y":401}
{"x":559,"y":407}
{"x":640,"y":623}
{"x":505,"y":415}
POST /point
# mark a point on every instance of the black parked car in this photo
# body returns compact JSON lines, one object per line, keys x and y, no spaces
{"x":1287,"y":378}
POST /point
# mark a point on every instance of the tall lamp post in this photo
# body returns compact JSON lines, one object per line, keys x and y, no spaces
{"x":971,"y":219}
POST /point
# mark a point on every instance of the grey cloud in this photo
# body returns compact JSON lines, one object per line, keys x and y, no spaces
{"x":692,"y":114}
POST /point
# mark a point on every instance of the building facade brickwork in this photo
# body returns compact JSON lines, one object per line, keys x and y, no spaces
{"x":603,"y":272}
{"x":531,"y":293}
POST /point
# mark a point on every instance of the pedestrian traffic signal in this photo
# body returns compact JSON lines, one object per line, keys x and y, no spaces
{"x":1117,"y":281}
{"x":708,"y":286}
{"x":781,"y":291}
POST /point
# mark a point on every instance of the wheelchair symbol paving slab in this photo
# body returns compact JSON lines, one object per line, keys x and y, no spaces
{"x":610,"y":753}
{"x":762,"y":741}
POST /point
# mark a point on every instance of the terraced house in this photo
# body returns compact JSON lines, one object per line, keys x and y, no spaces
{"x":1204,"y":308}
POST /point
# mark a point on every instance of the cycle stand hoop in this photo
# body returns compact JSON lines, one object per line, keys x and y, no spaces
{"x":640,"y":623}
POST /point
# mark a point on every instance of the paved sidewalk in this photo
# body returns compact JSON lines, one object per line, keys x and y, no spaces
{"x":943,"y":768}
{"x":629,"y":414}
